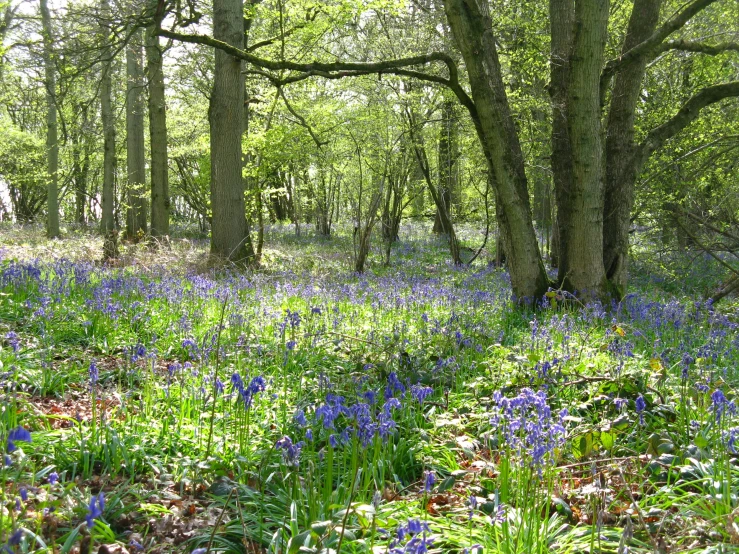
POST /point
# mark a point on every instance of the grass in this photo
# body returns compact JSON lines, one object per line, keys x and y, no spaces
{"x":301,"y":408}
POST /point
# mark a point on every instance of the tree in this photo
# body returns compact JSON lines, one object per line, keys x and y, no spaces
{"x":157,"y":132}
{"x":135,"y":153}
{"x":52,"y":140}
{"x":230,"y":238}
{"x":106,"y":112}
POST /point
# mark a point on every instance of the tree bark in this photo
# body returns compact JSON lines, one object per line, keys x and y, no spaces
{"x":562,"y":17}
{"x":230,"y":239}
{"x":621,"y":173}
{"x":80,"y":163}
{"x":135,"y":154}
{"x":581,"y":203}
{"x":160,"y":201}
{"x":448,"y":156}
{"x":52,"y":142}
{"x":473,"y":32}
{"x":106,"y":109}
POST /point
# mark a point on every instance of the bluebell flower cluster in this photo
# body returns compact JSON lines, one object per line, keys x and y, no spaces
{"x":19,"y":434}
{"x":247,"y":393}
{"x":640,"y":405}
{"x":429,"y":480}
{"x":95,"y":509}
{"x":721,"y":405}
{"x":290,"y":450}
{"x":94,"y":373}
{"x":412,"y":537}
{"x":13,"y":340}
{"x":528,"y":426}
{"x":730,"y":437}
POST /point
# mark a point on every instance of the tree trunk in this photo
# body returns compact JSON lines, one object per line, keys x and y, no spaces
{"x":80,"y":164}
{"x":581,"y":200}
{"x":135,"y":154}
{"x":160,"y":201}
{"x":52,"y":142}
{"x":106,"y":111}
{"x":473,"y":31}
{"x":448,"y":156}
{"x":230,"y":237}
{"x":621,"y":173}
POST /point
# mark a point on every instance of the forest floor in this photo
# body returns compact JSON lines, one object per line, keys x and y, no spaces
{"x":159,"y":406}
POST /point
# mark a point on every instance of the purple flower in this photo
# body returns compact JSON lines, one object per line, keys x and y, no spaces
{"x":620,"y":403}
{"x":528,"y":426}
{"x":94,"y":373}
{"x":420,"y":393}
{"x":429,"y":479}
{"x":53,"y":478}
{"x":411,"y":538}
{"x":16,"y":435}
{"x":640,"y":405}
{"x":95,"y":509}
{"x":290,"y":451}
{"x":15,"y":538}
{"x":730,"y":437}
{"x":719,"y":403}
{"x":13,"y":340}
{"x":299,"y":418}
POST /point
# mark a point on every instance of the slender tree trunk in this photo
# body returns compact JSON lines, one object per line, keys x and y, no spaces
{"x":473,"y":31}
{"x":160,"y":201}
{"x":581,"y":220}
{"x":230,"y":234}
{"x":135,"y":154}
{"x":621,"y":170}
{"x":80,"y":166}
{"x":106,"y":109}
{"x":52,"y":142}
{"x":448,"y":156}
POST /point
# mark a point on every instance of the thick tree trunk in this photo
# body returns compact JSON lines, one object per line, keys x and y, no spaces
{"x":158,"y":135}
{"x":106,"y":109}
{"x":52,"y":142}
{"x":621,"y":171}
{"x":473,"y":31}
{"x":581,"y":203}
{"x":230,"y":237}
{"x":135,"y":154}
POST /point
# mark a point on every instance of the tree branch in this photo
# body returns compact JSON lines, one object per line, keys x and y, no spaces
{"x":339,"y":70}
{"x":648,"y":46}
{"x":301,"y":120}
{"x":685,"y":116}
{"x":698,"y":47}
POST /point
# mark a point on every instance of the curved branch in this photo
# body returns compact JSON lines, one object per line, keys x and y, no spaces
{"x":653,"y":42}
{"x":301,"y":120}
{"x":339,"y":70}
{"x":684,"y":117}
